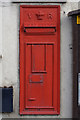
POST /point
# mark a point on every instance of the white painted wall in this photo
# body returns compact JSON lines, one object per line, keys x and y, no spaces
{"x":40,"y":1}
{"x":0,"y":51}
{"x":33,"y":0}
{"x":1,"y":45}
{"x":10,"y":60}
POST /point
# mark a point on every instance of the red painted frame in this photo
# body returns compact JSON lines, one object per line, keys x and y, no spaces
{"x":22,"y":99}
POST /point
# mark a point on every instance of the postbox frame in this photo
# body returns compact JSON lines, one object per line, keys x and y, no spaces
{"x":22,"y":110}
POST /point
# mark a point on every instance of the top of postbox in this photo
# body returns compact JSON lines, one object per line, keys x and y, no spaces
{"x":40,"y":17}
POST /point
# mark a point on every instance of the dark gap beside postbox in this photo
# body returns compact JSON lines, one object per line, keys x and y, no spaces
{"x":76,"y":62}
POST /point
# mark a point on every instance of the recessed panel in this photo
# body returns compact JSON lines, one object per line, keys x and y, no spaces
{"x":39,"y":89}
{"x":38,"y":58}
{"x":36,"y":78}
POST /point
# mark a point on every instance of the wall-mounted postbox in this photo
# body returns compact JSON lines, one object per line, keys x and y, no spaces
{"x":39,"y":59}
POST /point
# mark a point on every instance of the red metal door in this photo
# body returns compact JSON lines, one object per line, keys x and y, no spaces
{"x":39,"y":59}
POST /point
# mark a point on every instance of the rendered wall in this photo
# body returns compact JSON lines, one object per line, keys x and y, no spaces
{"x":9,"y":63}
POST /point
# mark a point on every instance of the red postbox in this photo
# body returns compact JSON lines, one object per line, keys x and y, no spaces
{"x":39,"y":59}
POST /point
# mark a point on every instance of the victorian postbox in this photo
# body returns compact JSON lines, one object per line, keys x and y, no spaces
{"x":39,"y":59}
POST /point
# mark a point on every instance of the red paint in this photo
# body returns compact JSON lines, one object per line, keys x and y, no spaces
{"x":39,"y":59}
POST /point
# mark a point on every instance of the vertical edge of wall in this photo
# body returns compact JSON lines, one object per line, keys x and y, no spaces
{"x":75,"y":67}
{"x":0,"y":59}
{"x":0,"y":44}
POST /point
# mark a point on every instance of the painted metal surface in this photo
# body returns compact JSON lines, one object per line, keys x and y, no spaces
{"x":39,"y":59}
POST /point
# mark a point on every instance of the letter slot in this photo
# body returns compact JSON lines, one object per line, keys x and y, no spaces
{"x":40,"y":30}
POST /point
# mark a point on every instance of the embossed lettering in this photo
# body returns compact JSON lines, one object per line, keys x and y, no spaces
{"x":29,"y":15}
{"x":40,"y":15}
{"x":49,"y":16}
